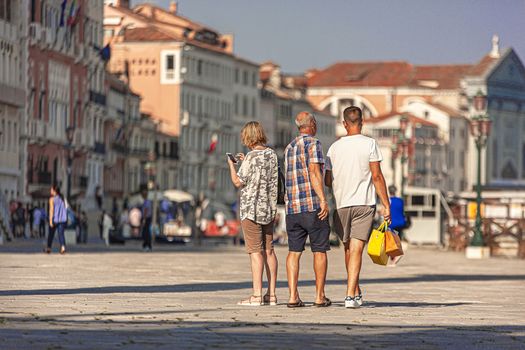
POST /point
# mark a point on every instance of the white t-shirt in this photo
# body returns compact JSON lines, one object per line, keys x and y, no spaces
{"x":348,"y":158}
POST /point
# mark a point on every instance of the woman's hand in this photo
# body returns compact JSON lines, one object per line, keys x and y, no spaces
{"x":240,"y":156}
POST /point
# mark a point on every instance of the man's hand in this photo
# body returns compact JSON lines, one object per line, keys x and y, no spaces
{"x":386,"y":215}
{"x":240,"y":156}
{"x":323,"y":213}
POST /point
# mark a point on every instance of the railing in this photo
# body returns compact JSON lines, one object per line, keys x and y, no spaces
{"x":97,"y":97}
{"x":504,"y":235}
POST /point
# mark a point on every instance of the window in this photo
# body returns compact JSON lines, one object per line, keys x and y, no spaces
{"x":254,"y":108}
{"x":254,"y":79}
{"x":170,"y":67}
{"x":237,"y":75}
{"x":244,"y":105}
{"x":199,"y":67}
{"x":236,"y":104}
{"x":245,"y":77}
{"x":5,"y":10}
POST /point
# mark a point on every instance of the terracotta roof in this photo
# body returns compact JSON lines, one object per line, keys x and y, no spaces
{"x":147,"y":34}
{"x":411,"y":118}
{"x":387,"y":74}
{"x":363,"y":74}
{"x":483,"y":66}
{"x":264,"y":75}
{"x":446,"y":76}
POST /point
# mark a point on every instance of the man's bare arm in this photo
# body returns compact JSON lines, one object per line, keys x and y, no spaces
{"x":316,"y":178}
{"x":328,"y":178}
{"x":380,"y":186}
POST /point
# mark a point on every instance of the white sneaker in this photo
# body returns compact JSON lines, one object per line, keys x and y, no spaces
{"x":359,"y":299}
{"x":351,"y":303}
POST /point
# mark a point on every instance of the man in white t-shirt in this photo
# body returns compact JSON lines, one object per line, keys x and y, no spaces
{"x":353,"y":171}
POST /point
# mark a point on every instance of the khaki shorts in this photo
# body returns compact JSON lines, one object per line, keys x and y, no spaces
{"x":354,"y":222}
{"x":257,"y":237}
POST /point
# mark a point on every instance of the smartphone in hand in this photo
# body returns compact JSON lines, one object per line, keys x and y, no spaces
{"x":232,"y":158}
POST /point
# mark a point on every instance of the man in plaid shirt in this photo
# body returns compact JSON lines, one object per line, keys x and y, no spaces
{"x":306,"y":208}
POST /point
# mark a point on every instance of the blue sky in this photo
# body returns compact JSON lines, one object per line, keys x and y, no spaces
{"x":301,"y":34}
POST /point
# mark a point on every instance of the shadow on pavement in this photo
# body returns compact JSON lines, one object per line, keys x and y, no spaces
{"x":225,"y":286}
{"x":242,"y":335}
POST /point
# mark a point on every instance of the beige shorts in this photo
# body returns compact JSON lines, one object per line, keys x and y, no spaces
{"x":257,"y":237}
{"x":354,"y":222}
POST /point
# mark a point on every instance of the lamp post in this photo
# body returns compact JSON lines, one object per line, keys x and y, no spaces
{"x":480,"y":125}
{"x":70,"y":133}
{"x":400,"y":144}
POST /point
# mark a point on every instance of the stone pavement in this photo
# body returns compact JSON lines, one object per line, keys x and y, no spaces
{"x":184,"y":297}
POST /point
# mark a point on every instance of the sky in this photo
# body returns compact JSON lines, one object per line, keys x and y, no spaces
{"x":303,"y":34}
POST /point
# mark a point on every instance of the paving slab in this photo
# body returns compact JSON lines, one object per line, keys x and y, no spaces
{"x":185,"y":298}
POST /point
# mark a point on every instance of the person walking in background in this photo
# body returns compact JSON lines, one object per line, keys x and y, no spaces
{"x":353,"y":170}
{"x":397,"y":210}
{"x":306,"y":208}
{"x":43,"y":219}
{"x":57,"y":219}
{"x":107,"y":225}
{"x":83,"y":226}
{"x":147,"y":215}
{"x":37,"y":218}
{"x":257,"y":179}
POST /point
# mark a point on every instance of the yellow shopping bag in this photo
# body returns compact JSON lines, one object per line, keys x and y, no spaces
{"x":377,"y":245}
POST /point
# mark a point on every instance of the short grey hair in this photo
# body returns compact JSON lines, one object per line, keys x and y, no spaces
{"x":305,"y":121}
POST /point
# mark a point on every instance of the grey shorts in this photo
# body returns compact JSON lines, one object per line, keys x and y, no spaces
{"x":354,"y":222}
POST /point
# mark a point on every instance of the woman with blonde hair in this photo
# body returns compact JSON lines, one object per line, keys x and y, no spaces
{"x":257,"y":178}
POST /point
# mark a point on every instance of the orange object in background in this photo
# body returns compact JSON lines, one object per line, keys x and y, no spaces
{"x":472,"y":208}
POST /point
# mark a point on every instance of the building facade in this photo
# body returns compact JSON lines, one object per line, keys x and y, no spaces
{"x":13,"y":57}
{"x":442,"y":94}
{"x":66,"y":97}
{"x":191,"y":84}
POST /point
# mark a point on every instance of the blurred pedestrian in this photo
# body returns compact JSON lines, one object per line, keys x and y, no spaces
{"x":107,"y":225}
{"x":83,"y":227}
{"x":257,"y":179}
{"x":37,"y":219}
{"x":98,"y":197}
{"x":147,"y":215}
{"x":397,"y":212}
{"x":306,"y":208}
{"x":353,"y":170}
{"x":57,"y":219}
{"x":19,"y":220}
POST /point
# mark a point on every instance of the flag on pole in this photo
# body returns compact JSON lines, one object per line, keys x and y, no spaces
{"x":62,"y":12}
{"x":213,"y":143}
{"x":72,"y":12}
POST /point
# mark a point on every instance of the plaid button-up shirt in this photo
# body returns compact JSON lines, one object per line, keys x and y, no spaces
{"x":300,"y":195}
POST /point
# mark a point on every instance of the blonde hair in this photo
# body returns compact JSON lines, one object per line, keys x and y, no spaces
{"x":253,"y":133}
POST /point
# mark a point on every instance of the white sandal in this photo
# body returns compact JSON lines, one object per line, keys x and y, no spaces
{"x":251,"y":301}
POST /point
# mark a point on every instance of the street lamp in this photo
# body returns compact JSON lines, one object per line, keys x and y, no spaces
{"x":480,"y":125}
{"x":70,"y":133}
{"x":400,"y":145}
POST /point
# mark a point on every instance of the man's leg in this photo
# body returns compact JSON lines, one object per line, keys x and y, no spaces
{"x":292,"y":271}
{"x":320,"y":267}
{"x":347,"y":264}
{"x":257,"y":263}
{"x":271,"y":270}
{"x":354,"y":265}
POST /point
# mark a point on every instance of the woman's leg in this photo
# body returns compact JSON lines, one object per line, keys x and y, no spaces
{"x":271,"y":271}
{"x":60,"y":228}
{"x":51,"y":236}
